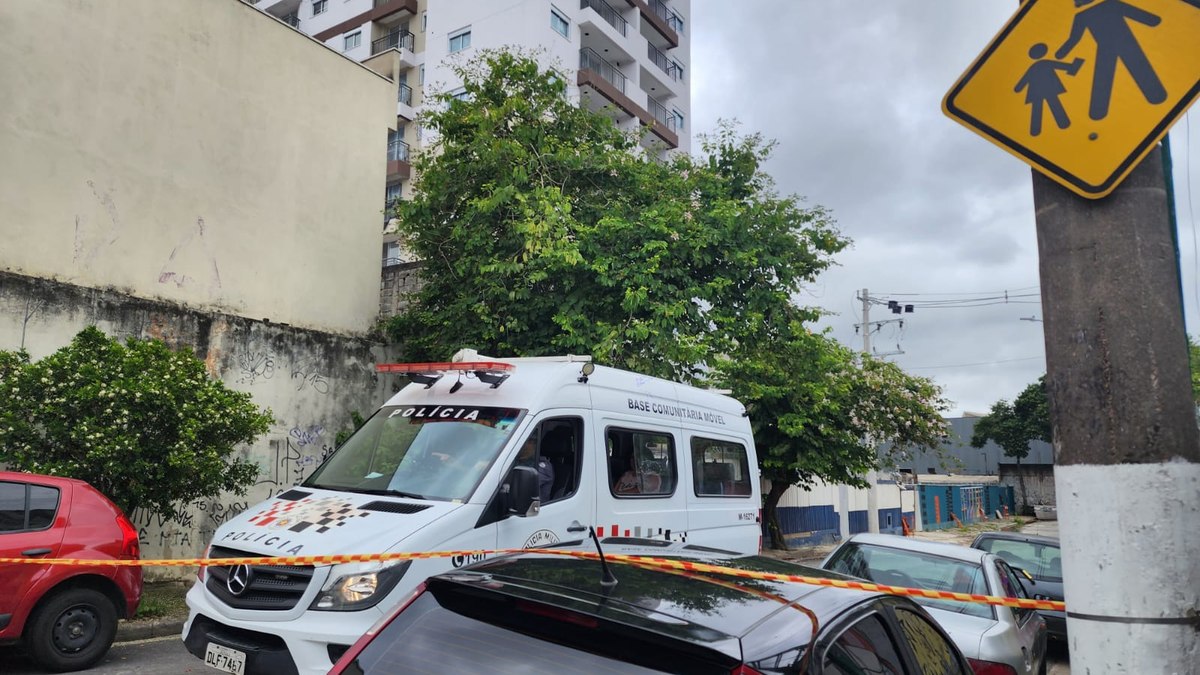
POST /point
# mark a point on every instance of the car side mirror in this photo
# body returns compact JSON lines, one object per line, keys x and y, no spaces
{"x":523,"y":497}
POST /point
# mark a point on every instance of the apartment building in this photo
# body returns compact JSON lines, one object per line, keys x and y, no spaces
{"x":626,"y":58}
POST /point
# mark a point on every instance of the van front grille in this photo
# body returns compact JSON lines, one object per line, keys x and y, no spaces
{"x":261,"y":587}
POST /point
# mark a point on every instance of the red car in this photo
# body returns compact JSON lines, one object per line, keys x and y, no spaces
{"x":65,"y":616}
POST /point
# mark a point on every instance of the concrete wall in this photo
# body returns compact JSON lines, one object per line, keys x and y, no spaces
{"x":1038,"y":481}
{"x":310,"y":380}
{"x":399,"y":284}
{"x":811,"y":516}
{"x":200,"y":153}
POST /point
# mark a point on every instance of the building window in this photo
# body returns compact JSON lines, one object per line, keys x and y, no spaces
{"x":559,"y":23}
{"x":460,"y":41}
{"x":319,"y":6}
{"x":678,"y":120}
{"x":461,"y":94}
{"x":421,"y":75}
{"x":393,"y":193}
{"x":351,"y":41}
{"x":424,"y":21}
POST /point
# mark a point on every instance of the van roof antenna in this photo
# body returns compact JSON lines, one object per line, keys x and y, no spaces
{"x":607,"y":580}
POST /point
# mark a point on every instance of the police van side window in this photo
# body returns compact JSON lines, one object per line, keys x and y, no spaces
{"x":722,"y":468}
{"x":641,"y":463}
{"x":555,"y":449}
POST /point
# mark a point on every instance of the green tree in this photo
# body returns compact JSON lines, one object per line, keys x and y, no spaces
{"x":543,"y":231}
{"x":1013,"y":426}
{"x":143,"y":424}
{"x":821,"y":411}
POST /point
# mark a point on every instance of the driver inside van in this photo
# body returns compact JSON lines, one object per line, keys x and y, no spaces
{"x":529,"y":457}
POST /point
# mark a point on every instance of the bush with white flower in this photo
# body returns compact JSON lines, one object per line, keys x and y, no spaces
{"x":144,"y":424}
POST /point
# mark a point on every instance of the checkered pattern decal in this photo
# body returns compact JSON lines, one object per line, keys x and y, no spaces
{"x":321,"y":515}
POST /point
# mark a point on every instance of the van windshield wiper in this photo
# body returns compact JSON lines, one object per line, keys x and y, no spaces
{"x":396,"y":493}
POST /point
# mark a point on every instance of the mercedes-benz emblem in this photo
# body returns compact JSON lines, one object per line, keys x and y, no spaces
{"x":239,"y":579}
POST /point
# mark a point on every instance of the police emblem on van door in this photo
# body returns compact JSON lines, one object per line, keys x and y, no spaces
{"x":541,"y":538}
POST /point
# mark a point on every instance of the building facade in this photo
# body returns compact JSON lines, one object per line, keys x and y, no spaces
{"x":626,"y":58}
{"x":168,"y":172}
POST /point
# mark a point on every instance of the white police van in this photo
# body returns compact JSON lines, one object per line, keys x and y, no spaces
{"x":478,"y":453}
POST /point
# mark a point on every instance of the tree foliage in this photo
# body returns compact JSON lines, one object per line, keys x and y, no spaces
{"x":1013,"y":426}
{"x":143,"y":424}
{"x":820,"y":411}
{"x":542,"y":232}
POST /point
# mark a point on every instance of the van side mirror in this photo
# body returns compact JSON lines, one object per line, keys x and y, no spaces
{"x":523,"y":496}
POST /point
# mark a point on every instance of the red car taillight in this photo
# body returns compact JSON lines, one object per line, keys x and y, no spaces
{"x":991,"y":668}
{"x":130,"y":548}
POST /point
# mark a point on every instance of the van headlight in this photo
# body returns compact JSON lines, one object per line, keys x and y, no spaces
{"x":359,"y":587}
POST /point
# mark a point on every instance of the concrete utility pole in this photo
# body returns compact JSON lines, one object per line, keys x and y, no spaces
{"x":872,"y":477}
{"x":1127,"y":471}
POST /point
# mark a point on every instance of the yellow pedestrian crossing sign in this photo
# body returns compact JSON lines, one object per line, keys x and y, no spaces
{"x":1082,"y":90}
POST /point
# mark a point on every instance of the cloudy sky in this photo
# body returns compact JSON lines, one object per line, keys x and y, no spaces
{"x":852,"y":91}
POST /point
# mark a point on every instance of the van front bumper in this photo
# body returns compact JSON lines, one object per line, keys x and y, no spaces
{"x":305,"y":645}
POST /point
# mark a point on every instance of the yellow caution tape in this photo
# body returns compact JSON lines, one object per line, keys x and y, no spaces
{"x":664,"y":563}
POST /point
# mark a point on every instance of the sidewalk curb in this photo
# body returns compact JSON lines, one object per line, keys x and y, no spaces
{"x":144,"y":630}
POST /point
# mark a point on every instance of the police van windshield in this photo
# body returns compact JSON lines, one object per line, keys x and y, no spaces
{"x":423,"y":452}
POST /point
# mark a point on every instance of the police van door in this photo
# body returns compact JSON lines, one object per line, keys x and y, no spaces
{"x":642,"y":494}
{"x":555,"y":447}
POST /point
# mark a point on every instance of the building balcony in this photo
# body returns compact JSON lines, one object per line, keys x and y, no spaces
{"x":664,"y":123}
{"x":384,"y":11}
{"x":611,"y":16}
{"x":599,"y":77}
{"x":655,"y":21}
{"x":396,"y":39}
{"x":404,"y":102}
{"x":668,"y":15}
{"x":398,"y":166}
{"x":592,"y":62}
{"x":669,"y":66}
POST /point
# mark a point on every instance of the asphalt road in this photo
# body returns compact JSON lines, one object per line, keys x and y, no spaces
{"x":145,"y":657}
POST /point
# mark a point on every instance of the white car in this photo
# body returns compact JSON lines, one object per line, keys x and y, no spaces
{"x":996,"y":640}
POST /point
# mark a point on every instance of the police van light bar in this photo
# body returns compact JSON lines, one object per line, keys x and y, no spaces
{"x":490,"y":372}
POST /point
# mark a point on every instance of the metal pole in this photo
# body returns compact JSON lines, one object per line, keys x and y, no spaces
{"x":1127,"y":472}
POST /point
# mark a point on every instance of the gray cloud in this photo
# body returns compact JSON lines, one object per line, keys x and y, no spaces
{"x":852,"y":92}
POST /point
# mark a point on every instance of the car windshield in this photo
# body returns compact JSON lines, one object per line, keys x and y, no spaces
{"x":423,"y":452}
{"x":1042,"y":561}
{"x":913,"y":569}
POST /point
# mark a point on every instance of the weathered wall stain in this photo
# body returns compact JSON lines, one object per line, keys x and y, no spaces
{"x":328,"y":376}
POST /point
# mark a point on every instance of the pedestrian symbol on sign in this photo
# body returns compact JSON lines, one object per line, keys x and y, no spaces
{"x":1043,"y":88}
{"x":1108,"y":23}
{"x":1110,"y":76}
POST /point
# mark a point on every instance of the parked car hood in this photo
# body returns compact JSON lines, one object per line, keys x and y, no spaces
{"x":307,"y":521}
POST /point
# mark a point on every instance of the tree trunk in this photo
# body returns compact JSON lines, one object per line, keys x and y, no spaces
{"x":771,"y":514}
{"x":1021,"y":482}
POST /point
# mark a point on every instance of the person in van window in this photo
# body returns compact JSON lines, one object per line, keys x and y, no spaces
{"x":628,"y":482}
{"x":529,"y":457}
